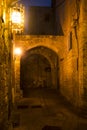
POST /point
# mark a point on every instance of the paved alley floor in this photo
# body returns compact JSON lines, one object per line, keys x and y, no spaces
{"x":44,"y":109}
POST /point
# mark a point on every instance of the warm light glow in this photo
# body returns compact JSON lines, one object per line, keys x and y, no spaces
{"x":17,"y":51}
{"x":16,"y":17}
{"x":4,"y":16}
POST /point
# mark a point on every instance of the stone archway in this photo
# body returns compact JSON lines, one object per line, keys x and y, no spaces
{"x":39,"y":68}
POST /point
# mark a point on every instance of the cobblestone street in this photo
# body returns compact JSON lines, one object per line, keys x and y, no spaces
{"x":45,"y":109}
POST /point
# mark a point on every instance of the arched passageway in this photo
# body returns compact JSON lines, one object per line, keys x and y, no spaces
{"x":39,"y":68}
{"x":36,"y":72}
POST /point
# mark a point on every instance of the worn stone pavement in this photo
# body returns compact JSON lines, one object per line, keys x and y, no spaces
{"x":44,"y":107}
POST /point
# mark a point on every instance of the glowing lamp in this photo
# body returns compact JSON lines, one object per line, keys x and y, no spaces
{"x":17,"y":51}
{"x":17,"y":18}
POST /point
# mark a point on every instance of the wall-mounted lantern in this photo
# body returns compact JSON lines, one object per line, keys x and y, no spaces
{"x":17,"y":18}
{"x":17,"y":51}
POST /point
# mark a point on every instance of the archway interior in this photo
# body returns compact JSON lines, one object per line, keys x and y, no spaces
{"x":35,"y":72}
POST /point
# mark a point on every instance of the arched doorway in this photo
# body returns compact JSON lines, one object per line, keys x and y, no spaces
{"x":35,"y":71}
{"x":39,"y":68}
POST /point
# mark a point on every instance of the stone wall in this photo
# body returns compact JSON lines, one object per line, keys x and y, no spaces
{"x":72,"y":15}
{"x":71,"y":48}
{"x":5,"y":65}
{"x":83,"y":40}
{"x":66,"y":12}
{"x":51,"y":45}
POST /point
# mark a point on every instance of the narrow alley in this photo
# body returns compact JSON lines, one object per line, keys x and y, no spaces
{"x":45,"y":109}
{"x":43,"y":64}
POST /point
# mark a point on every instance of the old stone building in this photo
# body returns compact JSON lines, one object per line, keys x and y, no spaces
{"x":51,"y":61}
{"x":72,"y":15}
{"x":41,"y":21}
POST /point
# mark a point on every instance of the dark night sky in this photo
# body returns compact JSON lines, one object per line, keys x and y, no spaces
{"x":36,"y":2}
